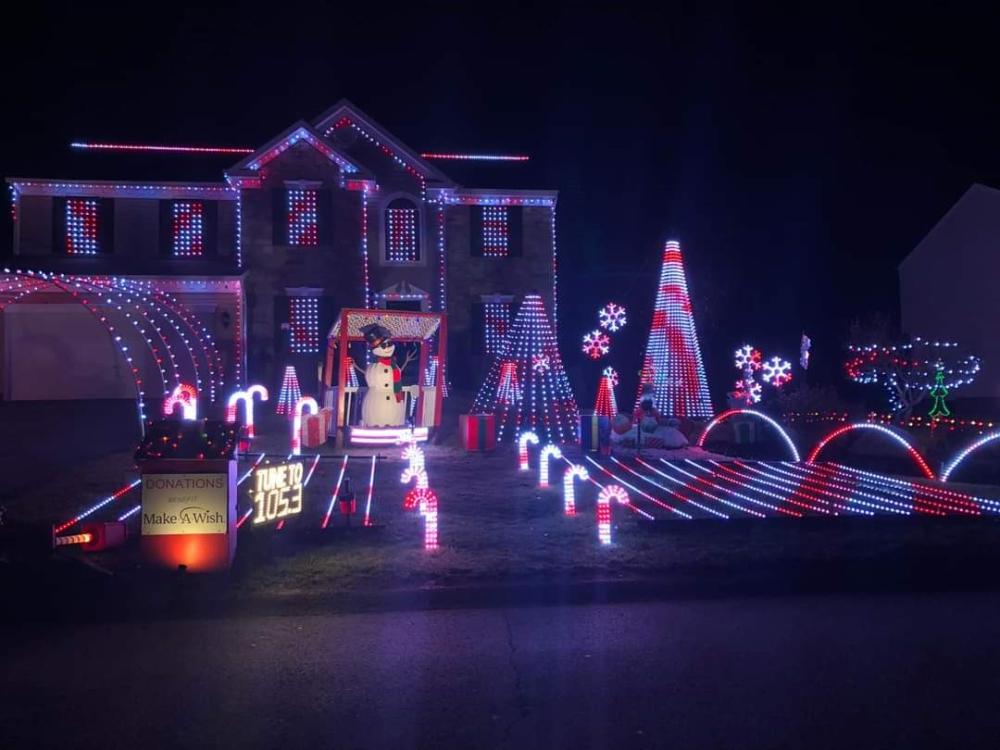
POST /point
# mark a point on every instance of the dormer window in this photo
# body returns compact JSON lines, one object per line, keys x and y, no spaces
{"x":402,"y":235}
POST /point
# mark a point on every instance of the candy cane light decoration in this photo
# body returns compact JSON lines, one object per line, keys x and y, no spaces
{"x":306,"y":402}
{"x":411,"y":473}
{"x":415,"y":456}
{"x":522,"y":449}
{"x":186,"y":395}
{"x":549,"y":451}
{"x":426,"y":501}
{"x":607,"y":494}
{"x":574,"y":471}
{"x":246,"y":398}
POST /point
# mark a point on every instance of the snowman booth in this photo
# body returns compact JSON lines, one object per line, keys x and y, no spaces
{"x":378,"y":407}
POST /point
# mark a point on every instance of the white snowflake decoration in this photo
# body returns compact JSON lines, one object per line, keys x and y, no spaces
{"x":596,"y":344}
{"x":745,"y":356}
{"x":612,"y":375}
{"x":540,"y":363}
{"x":612,"y":317}
{"x":748,"y":391}
{"x":777,"y":372}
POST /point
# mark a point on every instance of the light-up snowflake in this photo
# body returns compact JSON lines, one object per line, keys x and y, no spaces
{"x":747,"y":356}
{"x":748,"y":391}
{"x":596,"y":344}
{"x":540,"y":363}
{"x":777,"y":372}
{"x":611,"y":374}
{"x":612,"y":317}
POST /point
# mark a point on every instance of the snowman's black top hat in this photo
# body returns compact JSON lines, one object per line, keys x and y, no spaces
{"x":375,"y":335}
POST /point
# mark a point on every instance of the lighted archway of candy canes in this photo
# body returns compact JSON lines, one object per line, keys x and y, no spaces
{"x":186,"y":395}
{"x":548,"y":452}
{"x":156,"y":317}
{"x":596,"y":344}
{"x":246,"y":398}
{"x":844,"y":429}
{"x":573,"y":471}
{"x":966,"y":451}
{"x":777,"y":372}
{"x":609,"y":493}
{"x":749,"y":413}
{"x":304,"y":403}
{"x":522,"y":449}
{"x":611,"y":317}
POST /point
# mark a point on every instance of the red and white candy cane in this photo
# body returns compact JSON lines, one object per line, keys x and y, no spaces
{"x":522,"y":449}
{"x":306,"y":402}
{"x":549,"y":451}
{"x":607,"y":494}
{"x":574,"y":471}
{"x":187,"y":396}
{"x":426,"y":501}
{"x":410,"y":473}
{"x":246,"y":397}
{"x":415,"y":456}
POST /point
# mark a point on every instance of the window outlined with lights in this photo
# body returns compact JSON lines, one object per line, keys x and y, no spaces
{"x":187,"y":229}
{"x":82,"y":226}
{"x":497,"y":315}
{"x":303,"y":324}
{"x":401,"y":240}
{"x":302,"y":216}
{"x":496,"y":232}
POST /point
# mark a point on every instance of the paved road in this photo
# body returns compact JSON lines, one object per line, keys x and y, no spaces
{"x":898,"y":671}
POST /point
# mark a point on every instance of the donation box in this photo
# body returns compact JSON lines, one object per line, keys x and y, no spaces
{"x":188,"y":515}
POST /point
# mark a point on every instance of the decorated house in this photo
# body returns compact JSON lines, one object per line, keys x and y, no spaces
{"x":947,"y":285}
{"x":329,"y":214}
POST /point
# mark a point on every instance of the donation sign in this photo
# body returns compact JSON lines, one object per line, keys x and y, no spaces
{"x":184,"y":504}
{"x":277,"y":492}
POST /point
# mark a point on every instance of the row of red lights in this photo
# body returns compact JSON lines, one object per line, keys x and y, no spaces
{"x":242,"y":150}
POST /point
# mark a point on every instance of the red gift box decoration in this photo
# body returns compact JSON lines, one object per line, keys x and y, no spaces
{"x":479,"y":431}
{"x":313,"y":430}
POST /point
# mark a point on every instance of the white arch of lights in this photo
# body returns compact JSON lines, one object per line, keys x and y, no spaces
{"x":964,"y":453}
{"x":844,"y":429}
{"x":749,"y":412}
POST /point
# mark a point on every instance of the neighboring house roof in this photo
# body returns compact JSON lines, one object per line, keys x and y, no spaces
{"x":344,"y":109}
{"x":971,"y":225}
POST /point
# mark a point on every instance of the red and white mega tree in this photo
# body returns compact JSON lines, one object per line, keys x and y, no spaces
{"x":526,"y":387}
{"x":672,"y":362}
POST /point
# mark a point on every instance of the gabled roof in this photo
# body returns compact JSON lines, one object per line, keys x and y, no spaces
{"x":345,"y":110}
{"x":301,"y":131}
{"x":971,"y":225}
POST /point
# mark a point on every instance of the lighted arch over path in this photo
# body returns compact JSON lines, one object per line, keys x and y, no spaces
{"x":844,"y":429}
{"x":749,"y":412}
{"x":964,"y":453}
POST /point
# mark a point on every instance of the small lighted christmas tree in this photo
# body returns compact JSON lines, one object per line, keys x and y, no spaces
{"x":672,"y":362}
{"x":289,"y":393}
{"x":939,"y":392}
{"x":526,"y":386}
{"x":606,"y":405}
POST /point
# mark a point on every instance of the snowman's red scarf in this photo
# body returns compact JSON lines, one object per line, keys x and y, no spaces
{"x":397,"y":375}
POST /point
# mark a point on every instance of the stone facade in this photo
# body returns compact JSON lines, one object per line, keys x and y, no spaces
{"x":358,"y":169}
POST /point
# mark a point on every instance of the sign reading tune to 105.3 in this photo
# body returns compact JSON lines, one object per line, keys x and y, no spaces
{"x":277,"y":492}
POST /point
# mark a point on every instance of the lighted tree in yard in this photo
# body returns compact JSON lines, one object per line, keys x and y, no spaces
{"x":910,"y":371}
{"x":672,"y":362}
{"x":526,"y":386}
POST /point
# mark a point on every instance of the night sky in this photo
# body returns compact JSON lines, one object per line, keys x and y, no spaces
{"x":798,"y":156}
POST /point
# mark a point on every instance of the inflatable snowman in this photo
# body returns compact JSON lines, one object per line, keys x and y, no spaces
{"x":384,"y":404}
